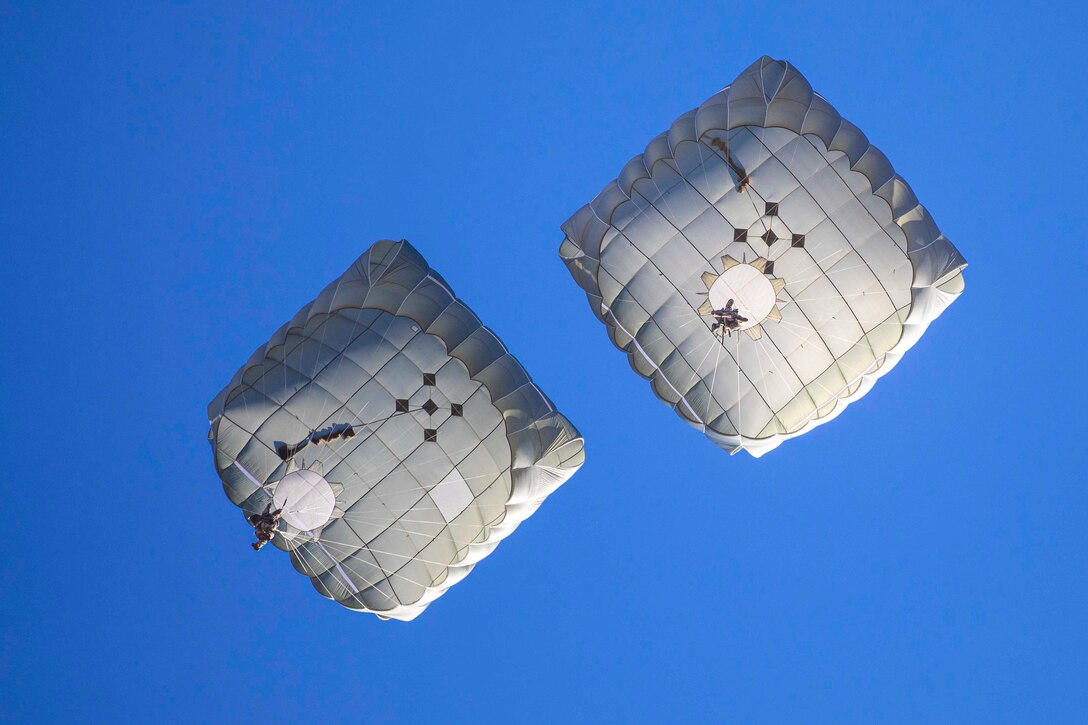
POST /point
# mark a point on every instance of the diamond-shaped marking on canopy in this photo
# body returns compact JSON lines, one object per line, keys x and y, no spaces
{"x":430,"y":435}
{"x":771,"y":208}
{"x":740,"y":235}
{"x":769,"y":237}
{"x":798,"y":240}
{"x":430,"y":406}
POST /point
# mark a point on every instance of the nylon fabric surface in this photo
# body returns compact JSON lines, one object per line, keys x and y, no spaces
{"x":387,"y":392}
{"x":766,"y":199}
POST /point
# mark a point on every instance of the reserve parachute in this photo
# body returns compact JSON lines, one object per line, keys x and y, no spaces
{"x":386,"y":439}
{"x":761,"y":262}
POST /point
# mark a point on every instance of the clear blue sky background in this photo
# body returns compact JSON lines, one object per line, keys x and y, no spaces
{"x":177,"y":180}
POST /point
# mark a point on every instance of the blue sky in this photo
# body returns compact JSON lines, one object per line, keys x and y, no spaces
{"x":178,"y":179}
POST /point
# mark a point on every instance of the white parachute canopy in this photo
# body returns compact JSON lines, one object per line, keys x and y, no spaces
{"x":396,"y":435}
{"x":761,"y":263}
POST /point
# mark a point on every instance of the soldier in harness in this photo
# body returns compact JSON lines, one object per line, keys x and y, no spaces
{"x":727,"y":319}
{"x":264,"y":525}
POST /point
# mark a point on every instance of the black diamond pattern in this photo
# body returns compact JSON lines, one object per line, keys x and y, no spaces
{"x":769,"y":237}
{"x":430,"y":435}
{"x":430,"y":406}
{"x":740,"y":235}
{"x":798,"y":240}
{"x":428,"y":379}
{"x":402,"y":406}
{"x":456,"y":409}
{"x":771,"y":209}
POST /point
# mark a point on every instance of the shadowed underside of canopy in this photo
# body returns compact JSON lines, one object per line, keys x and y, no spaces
{"x":400,"y":438}
{"x":761,"y":263}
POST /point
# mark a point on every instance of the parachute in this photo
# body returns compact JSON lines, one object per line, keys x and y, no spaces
{"x":761,"y":263}
{"x":392,"y":439}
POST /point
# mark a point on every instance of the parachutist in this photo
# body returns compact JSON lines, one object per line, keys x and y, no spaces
{"x":264,"y":525}
{"x":727,"y":319}
{"x":344,"y":431}
{"x":743,"y":179}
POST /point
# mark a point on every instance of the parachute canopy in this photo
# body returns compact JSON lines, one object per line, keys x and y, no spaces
{"x":400,"y":438}
{"x":761,"y":263}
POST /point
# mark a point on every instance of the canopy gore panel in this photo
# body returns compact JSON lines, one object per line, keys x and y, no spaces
{"x":399,"y":436}
{"x":761,"y":263}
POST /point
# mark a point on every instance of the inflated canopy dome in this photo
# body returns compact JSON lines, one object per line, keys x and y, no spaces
{"x":761,"y":263}
{"x":400,"y":438}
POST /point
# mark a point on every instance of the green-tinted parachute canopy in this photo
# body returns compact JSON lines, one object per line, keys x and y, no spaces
{"x":400,"y":438}
{"x":761,"y":263}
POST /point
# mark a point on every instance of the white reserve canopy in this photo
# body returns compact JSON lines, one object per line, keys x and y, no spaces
{"x":761,"y":262}
{"x":398,"y":437}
